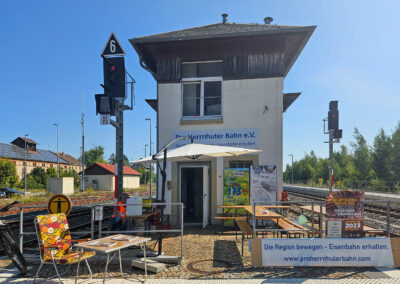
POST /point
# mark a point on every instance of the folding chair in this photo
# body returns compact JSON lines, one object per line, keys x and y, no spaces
{"x":55,"y":244}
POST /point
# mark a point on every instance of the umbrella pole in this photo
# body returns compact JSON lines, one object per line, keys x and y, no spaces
{"x":163,"y":181}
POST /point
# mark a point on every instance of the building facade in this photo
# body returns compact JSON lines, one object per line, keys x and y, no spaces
{"x":220,"y":84}
{"x":16,"y":152}
{"x":101,"y":176}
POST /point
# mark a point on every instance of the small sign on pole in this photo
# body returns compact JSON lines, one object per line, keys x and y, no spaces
{"x":105,"y":119}
{"x":98,"y":213}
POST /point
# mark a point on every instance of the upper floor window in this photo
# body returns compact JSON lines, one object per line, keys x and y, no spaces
{"x":240,"y":164}
{"x":201,"y":89}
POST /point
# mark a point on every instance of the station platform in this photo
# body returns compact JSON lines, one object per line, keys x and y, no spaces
{"x":374,"y":275}
{"x":222,"y":281}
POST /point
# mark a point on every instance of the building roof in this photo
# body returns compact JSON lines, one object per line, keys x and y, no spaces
{"x":221,"y":30}
{"x":68,"y":158}
{"x":109,"y":169}
{"x":25,"y":139}
{"x":247,"y":50}
{"x":288,"y":99}
{"x":14,"y":152}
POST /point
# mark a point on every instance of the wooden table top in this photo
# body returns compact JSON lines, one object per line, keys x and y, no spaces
{"x":262,"y":212}
{"x":117,"y":246}
{"x":316,"y":208}
{"x":143,"y":216}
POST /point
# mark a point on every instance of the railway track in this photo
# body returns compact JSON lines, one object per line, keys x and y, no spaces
{"x":79,"y":219}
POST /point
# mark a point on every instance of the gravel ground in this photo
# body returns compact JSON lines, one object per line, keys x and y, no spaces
{"x":208,"y":255}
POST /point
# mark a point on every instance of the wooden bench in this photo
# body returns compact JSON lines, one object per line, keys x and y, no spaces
{"x":233,"y":218}
{"x":289,"y":226}
{"x":370,"y":231}
{"x":245,"y":229}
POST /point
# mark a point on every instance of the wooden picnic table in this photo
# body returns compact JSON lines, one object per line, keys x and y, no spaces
{"x":262,"y":212}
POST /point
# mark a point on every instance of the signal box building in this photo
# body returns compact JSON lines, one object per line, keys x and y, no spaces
{"x":220,"y":84}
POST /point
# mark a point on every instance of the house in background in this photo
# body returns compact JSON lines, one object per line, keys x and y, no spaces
{"x":16,"y":152}
{"x":220,"y":84}
{"x":101,"y":177}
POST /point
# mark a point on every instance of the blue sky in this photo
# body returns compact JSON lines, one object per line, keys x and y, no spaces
{"x":50,"y":57}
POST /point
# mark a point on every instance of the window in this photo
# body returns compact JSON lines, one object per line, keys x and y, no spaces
{"x":34,"y":164}
{"x":201,"y":89}
{"x":43,"y":165}
{"x":240,"y":164}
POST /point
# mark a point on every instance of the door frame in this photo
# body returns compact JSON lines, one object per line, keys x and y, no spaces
{"x":196,"y":165}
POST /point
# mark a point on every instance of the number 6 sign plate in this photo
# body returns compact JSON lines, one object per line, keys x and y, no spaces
{"x":113,"y":47}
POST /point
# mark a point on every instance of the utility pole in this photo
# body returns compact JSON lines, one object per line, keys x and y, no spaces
{"x":25,"y":165}
{"x":83,"y":145}
{"x":58,"y":165}
{"x":145,"y":170}
{"x":292,"y":166}
{"x":331,"y":176}
{"x":151,"y":166}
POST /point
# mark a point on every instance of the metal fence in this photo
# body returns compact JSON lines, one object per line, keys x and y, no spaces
{"x":380,"y":186}
{"x":320,"y":215}
{"x":99,"y":223}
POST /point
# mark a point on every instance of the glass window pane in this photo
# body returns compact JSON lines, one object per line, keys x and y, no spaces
{"x":212,"y":89}
{"x":212,"y":106}
{"x":212,"y":69}
{"x":212,"y":98}
{"x":207,"y":69}
{"x":189,"y":70}
{"x":191,"y":99}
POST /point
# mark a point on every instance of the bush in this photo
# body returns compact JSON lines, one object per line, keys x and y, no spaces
{"x":8,"y":173}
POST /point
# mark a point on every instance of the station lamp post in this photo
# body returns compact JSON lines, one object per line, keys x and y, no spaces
{"x":145,"y":178}
{"x":292,"y":166}
{"x":58,"y":165}
{"x":25,"y":165}
{"x":151,"y":166}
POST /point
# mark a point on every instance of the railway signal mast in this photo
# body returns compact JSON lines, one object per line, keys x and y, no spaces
{"x":334,"y":136}
{"x":112,"y":102}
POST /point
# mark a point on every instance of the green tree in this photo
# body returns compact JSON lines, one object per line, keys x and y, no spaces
{"x":362,"y":157}
{"x":395,"y":154}
{"x":39,"y":175}
{"x":382,"y":156}
{"x":113,"y":160}
{"x":95,"y":155}
{"x":8,"y":173}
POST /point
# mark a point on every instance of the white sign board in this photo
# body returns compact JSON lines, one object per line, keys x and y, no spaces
{"x":334,"y":229}
{"x":104,"y":119}
{"x":327,"y":252}
{"x":242,"y":137}
{"x":262,"y":184}
{"x":98,"y":213}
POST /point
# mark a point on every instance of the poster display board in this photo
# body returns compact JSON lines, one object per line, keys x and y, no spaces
{"x":262,"y":183}
{"x":346,"y":210}
{"x":376,"y":252}
{"x":236,"y":190}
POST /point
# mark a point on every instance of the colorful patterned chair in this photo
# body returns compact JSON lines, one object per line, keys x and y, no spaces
{"x":56,"y":245}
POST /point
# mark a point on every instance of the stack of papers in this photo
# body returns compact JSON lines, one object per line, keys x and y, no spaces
{"x":124,"y":238}
{"x":102,"y":243}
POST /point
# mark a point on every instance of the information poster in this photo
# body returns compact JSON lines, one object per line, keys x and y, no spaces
{"x":347,"y":207}
{"x":236,"y":190}
{"x":375,"y":252}
{"x":262,"y":183}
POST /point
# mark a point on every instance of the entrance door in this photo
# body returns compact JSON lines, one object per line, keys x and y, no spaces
{"x":192,"y":194}
{"x":195,"y":193}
